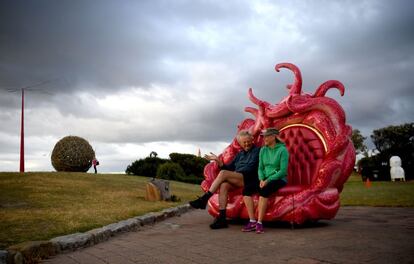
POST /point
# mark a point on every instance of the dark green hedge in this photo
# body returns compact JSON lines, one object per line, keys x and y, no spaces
{"x":180,"y":167}
{"x":145,"y":167}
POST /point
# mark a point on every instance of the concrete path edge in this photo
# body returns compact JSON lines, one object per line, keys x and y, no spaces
{"x":34,"y":251}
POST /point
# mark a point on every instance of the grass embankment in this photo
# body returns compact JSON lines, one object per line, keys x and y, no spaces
{"x":394,"y":194}
{"x":39,"y":206}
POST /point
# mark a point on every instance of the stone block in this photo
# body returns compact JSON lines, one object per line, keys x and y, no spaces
{"x":164,"y":188}
{"x":99,"y":234}
{"x":33,"y":251}
{"x":147,"y":219}
{"x":133,"y":224}
{"x":73,"y":241}
{"x":121,"y":226}
{"x":152,"y":193}
{"x":170,"y":212}
{"x":183,"y":209}
{"x":159,"y":216}
{"x":115,"y":228}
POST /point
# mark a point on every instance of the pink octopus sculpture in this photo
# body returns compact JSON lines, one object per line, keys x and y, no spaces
{"x":321,"y":154}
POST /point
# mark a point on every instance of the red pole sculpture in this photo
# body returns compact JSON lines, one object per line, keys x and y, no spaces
{"x":22,"y":136}
{"x":29,"y":88}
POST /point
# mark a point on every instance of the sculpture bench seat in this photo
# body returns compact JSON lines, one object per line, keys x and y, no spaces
{"x":291,"y":189}
{"x":321,"y":154}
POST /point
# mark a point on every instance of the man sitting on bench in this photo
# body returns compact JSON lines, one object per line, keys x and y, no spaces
{"x":241,"y":172}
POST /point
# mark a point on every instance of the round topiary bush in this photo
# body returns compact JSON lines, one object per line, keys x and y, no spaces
{"x":170,"y":171}
{"x":72,"y":153}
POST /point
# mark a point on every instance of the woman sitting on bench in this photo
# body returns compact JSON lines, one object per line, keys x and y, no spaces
{"x":273,"y":162}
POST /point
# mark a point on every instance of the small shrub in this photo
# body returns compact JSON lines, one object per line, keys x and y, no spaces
{"x":170,"y":171}
{"x":145,"y":167}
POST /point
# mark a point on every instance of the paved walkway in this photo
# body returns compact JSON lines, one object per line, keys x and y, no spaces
{"x":356,"y":235}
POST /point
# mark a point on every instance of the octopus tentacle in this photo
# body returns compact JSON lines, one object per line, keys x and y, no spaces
{"x":256,"y":100}
{"x":299,"y":104}
{"x":296,"y":87}
{"x":252,"y":111}
{"x":261,"y":118}
{"x":278,"y":110}
{"x":323,"y":88}
{"x":257,"y":126}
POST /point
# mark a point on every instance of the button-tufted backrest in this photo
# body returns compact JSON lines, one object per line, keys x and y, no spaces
{"x":306,"y":149}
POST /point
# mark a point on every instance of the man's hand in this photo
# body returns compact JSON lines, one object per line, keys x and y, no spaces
{"x":213,"y":157}
{"x":263,"y":184}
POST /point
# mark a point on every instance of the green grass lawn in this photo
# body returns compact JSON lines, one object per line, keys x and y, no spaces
{"x":42,"y":205}
{"x":379,"y":194}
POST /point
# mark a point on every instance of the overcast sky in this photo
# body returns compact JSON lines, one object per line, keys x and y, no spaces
{"x":133,"y":77}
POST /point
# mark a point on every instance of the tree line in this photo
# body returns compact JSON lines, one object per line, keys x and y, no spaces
{"x":389,"y":141}
{"x":179,"y":167}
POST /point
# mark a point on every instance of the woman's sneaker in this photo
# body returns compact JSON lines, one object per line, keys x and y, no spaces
{"x":250,"y":226}
{"x":259,"y":228}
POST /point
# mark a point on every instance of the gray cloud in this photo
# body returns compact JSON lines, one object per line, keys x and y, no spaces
{"x":108,"y":44}
{"x":136,"y":72}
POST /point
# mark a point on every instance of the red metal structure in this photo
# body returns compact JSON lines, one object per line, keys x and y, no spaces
{"x":29,"y":88}
{"x":321,"y":153}
{"x":22,"y":136}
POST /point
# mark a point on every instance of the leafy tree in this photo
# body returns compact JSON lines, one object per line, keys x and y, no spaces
{"x":390,"y":141}
{"x":193,"y":166}
{"x":171,"y":171}
{"x":358,"y":141}
{"x":394,"y":138}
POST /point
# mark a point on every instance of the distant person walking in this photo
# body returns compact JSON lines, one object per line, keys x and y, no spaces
{"x":95,"y":163}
